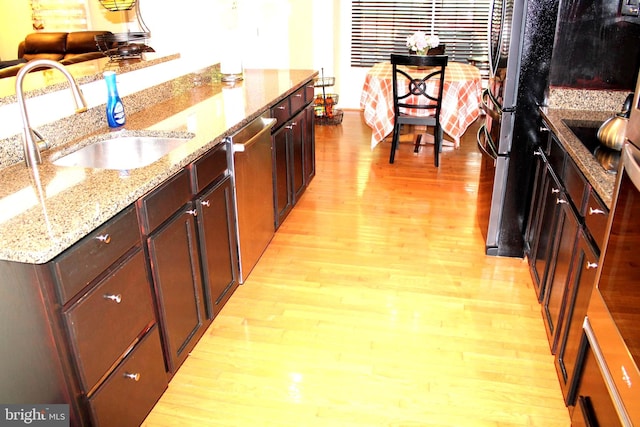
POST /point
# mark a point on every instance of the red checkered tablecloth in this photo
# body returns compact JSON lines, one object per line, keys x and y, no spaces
{"x":460,"y":105}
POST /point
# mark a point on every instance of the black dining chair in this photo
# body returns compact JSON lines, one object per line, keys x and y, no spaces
{"x":418,"y":86}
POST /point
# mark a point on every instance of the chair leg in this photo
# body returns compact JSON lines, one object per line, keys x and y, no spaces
{"x":416,"y":148}
{"x":394,"y":142}
{"x":437,"y":144}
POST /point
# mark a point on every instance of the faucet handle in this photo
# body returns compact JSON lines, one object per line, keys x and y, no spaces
{"x":39,"y":140}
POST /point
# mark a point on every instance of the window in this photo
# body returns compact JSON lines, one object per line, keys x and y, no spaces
{"x":59,"y":15}
{"x":381,"y":27}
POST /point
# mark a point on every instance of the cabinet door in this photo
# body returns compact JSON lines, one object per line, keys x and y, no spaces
{"x":283,"y":200}
{"x":565,"y":234}
{"x":546,"y":227}
{"x":218,"y":249}
{"x":175,"y":267}
{"x":535,"y":208}
{"x":297,"y":133}
{"x":582,"y":279}
{"x":309,"y":145}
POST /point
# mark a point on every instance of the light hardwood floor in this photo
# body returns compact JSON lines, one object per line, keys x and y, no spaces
{"x":375,"y":305}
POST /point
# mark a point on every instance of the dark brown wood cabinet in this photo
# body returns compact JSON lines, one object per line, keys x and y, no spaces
{"x":581,"y":281}
{"x":293,"y":150}
{"x":554,"y":297}
{"x":79,"y":321}
{"x":169,"y":227}
{"x":565,"y":216}
{"x":217,"y":239}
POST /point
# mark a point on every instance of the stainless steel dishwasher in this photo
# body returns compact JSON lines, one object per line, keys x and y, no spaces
{"x":252,"y":172}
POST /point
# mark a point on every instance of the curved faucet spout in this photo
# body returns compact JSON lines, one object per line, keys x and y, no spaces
{"x":31,"y":151}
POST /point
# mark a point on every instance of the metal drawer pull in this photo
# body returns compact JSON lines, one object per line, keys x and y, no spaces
{"x":205,"y":203}
{"x":135,"y":377}
{"x":298,"y":95}
{"x":560,"y":201}
{"x":596,"y":211}
{"x":555,"y":190}
{"x":116,"y":298}
{"x":282,"y":107}
{"x":591,"y":265}
{"x":104,"y":238}
{"x":192,"y":212}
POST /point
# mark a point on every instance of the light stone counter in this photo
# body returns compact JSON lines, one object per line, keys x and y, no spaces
{"x":601,"y":181}
{"x":589,"y":108}
{"x":46,"y":210}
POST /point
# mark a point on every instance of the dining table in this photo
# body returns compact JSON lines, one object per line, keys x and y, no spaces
{"x":460,"y":104}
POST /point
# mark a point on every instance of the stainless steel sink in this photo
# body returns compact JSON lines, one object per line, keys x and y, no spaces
{"x":121,"y":152}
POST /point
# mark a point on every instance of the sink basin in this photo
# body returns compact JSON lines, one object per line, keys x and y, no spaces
{"x":121,"y":152}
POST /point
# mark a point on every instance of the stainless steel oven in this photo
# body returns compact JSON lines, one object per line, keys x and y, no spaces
{"x":613,"y":317}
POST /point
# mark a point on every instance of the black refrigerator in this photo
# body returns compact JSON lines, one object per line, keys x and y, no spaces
{"x":521,"y":37}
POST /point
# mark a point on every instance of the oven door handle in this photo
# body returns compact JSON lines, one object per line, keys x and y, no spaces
{"x":485,"y":143}
{"x":606,"y":374}
{"x":496,"y":112}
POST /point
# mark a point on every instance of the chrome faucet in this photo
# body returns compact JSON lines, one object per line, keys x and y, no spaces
{"x":30,"y":146}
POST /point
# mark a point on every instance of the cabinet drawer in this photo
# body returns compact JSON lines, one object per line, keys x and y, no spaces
{"x":161,"y":203}
{"x":108,"y":319}
{"x":575,"y":185}
{"x":208,"y":168}
{"x":596,"y":218}
{"x":281,"y":112}
{"x":297,"y":100}
{"x":85,"y":260}
{"x":556,"y":157}
{"x":129,"y":394}
{"x":309,"y":92}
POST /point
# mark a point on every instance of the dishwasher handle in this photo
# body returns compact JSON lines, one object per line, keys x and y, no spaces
{"x":248,"y":135}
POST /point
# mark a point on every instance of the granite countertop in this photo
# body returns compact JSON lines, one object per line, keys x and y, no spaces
{"x":45,"y":210}
{"x":602,"y":181}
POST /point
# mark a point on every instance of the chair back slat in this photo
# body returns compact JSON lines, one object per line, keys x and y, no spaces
{"x":419,"y":83}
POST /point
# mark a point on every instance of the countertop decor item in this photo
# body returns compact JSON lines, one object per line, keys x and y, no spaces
{"x":420,"y":43}
{"x":613,"y":132}
{"x":125,"y":45}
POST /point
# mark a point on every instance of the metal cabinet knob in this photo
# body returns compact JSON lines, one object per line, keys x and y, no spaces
{"x":116,"y":298}
{"x":555,"y":190}
{"x":560,"y":201}
{"x":205,"y":203}
{"x":104,"y":238}
{"x":591,"y":265}
{"x":192,"y":212}
{"x":135,"y":377}
{"x":596,"y":211}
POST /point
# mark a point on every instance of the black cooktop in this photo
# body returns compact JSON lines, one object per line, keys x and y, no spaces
{"x":606,"y":157}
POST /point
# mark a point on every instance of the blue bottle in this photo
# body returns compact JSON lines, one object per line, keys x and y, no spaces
{"x":115,"y":109}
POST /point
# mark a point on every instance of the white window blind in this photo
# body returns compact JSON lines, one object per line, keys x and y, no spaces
{"x":59,"y":15}
{"x":381,"y":27}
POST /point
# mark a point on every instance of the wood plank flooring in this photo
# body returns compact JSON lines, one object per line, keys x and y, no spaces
{"x":375,"y":305}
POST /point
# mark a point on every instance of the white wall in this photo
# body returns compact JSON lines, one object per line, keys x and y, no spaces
{"x":15,"y":23}
{"x":310,"y":34}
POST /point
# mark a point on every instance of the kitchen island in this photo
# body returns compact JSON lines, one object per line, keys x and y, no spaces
{"x":106,"y":275}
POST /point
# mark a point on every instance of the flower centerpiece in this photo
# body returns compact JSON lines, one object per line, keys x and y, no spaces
{"x":420,"y":42}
